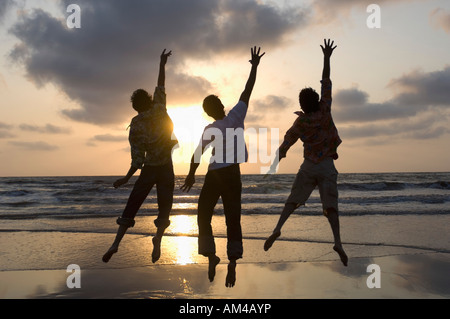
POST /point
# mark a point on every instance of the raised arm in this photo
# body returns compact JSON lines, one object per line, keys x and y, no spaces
{"x":256,"y":57}
{"x":162,"y":68}
{"x":327,"y":52}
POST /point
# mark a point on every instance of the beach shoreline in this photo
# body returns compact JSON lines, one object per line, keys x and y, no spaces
{"x":398,"y":222}
{"x":405,"y":273}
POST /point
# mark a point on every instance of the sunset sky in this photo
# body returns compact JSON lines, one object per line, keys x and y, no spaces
{"x":65,"y":92}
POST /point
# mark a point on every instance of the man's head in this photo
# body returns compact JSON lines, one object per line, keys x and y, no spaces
{"x":141,"y":100}
{"x":309,"y":100}
{"x":214,"y":107}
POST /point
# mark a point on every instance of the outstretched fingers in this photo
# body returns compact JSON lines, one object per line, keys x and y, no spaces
{"x":328,"y":47}
{"x":165,"y":55}
{"x":256,"y":55}
{"x":168,"y":53}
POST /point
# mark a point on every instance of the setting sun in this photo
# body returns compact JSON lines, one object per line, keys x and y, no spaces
{"x":189,"y":123}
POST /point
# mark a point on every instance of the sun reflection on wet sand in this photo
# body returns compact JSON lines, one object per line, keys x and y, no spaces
{"x":183,"y":225}
{"x":184,"y":206}
{"x":183,"y":250}
{"x":183,"y":245}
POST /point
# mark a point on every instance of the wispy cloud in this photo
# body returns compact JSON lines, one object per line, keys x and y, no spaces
{"x":110,"y":138}
{"x":440,"y":18}
{"x":106,"y":138}
{"x":6,"y":134}
{"x":5,"y":130}
{"x":34,"y":146}
{"x":46,"y":129}
{"x":5,"y":126}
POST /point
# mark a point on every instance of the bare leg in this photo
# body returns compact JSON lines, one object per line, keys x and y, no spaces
{"x":115,"y":246}
{"x":213,"y":262}
{"x":333,"y":219}
{"x":287,"y":211}
{"x":157,"y":244}
{"x":231,"y":275}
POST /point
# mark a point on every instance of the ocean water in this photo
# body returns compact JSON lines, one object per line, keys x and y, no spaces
{"x":379,"y":214}
{"x":423,"y":194}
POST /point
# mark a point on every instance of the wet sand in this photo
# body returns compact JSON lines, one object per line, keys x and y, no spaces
{"x":290,"y":270}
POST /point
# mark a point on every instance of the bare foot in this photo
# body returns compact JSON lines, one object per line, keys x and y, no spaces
{"x":213,"y":262}
{"x":269,"y":242}
{"x":231,"y":275}
{"x":111,"y":251}
{"x":342,"y":254}
{"x":156,"y":249}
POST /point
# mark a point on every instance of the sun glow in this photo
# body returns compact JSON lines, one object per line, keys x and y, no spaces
{"x":189,"y":123}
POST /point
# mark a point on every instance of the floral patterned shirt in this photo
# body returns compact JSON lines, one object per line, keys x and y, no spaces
{"x":316,"y":130}
{"x":151,"y":134}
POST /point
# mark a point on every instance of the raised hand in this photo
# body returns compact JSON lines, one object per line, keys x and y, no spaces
{"x":165,"y":55}
{"x":256,"y":57}
{"x":328,"y":49}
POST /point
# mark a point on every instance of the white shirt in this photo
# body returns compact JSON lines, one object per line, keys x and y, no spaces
{"x":226,"y":136}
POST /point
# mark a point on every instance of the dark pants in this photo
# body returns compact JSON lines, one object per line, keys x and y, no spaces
{"x":164,"y":179}
{"x":225,"y":183}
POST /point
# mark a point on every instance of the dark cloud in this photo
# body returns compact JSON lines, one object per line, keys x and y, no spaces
{"x":424,"y":88}
{"x":419,"y":110}
{"x":419,"y":92}
{"x":269,"y":106}
{"x":117,"y":48}
{"x":47,"y":129}
{"x":422,"y":127}
{"x":272,"y":103}
{"x":187,"y":89}
{"x":352,"y":105}
{"x":5,"y":5}
{"x":34,"y":146}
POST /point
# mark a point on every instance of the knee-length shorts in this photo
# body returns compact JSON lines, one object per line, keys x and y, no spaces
{"x":311,"y":175}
